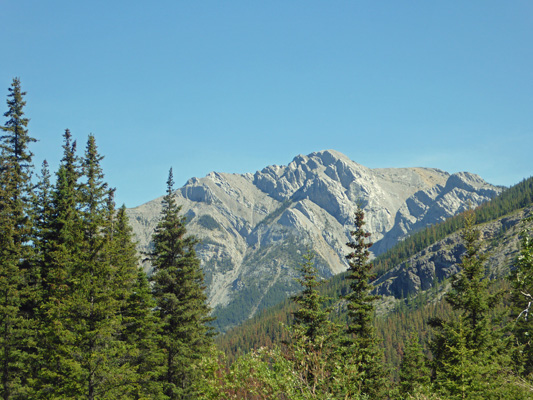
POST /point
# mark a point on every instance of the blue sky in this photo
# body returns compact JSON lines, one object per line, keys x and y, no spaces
{"x":234,"y":86}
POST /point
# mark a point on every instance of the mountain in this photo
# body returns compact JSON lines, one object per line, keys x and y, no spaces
{"x":254,"y":228}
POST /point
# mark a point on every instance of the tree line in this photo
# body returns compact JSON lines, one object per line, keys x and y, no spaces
{"x":477,"y":347}
{"x":511,"y":199}
{"x":80,"y":320}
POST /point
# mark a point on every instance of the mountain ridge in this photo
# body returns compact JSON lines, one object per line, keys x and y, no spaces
{"x":254,"y":227}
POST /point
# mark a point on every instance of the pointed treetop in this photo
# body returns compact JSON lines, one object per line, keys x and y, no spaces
{"x":15,"y":139}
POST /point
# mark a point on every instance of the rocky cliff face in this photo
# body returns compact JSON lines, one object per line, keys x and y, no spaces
{"x":254,"y":228}
{"x":499,"y":241}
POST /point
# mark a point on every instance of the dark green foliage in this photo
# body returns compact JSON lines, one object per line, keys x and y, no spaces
{"x":179,"y":292}
{"x":360,"y":345}
{"x":359,"y":299}
{"x":511,"y":199}
{"x":141,"y":330}
{"x":469,"y":292}
{"x":312,"y":346}
{"x":139,"y":323}
{"x":89,"y":269}
{"x":58,"y":241}
{"x":311,"y":319}
{"x":79,"y":320}
{"x":471,"y":357}
{"x":414,"y":373}
{"x":522,"y":298}
{"x":18,"y":276}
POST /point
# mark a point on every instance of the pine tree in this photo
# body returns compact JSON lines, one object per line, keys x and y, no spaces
{"x":360,"y":344}
{"x":311,"y":319}
{"x":59,"y":239}
{"x":83,"y":354}
{"x":140,"y":325}
{"x":17,"y":275}
{"x":313,"y":336}
{"x":414,"y":373}
{"x":179,"y":291}
{"x":470,"y":354}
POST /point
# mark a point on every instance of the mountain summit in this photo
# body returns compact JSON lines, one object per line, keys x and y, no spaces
{"x":254,"y":228}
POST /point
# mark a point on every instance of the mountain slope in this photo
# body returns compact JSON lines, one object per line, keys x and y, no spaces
{"x":412,"y":291}
{"x":254,"y":227}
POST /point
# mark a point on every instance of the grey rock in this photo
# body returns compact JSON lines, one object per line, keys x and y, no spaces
{"x":254,"y":228}
{"x":442,"y":260}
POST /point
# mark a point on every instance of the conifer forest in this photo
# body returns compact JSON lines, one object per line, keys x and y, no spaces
{"x":79,"y":319}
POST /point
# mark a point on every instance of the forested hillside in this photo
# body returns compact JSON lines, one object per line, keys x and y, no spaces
{"x":265,"y":328}
{"x":414,"y":315}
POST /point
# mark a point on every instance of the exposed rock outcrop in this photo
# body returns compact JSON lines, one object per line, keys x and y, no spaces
{"x":442,"y":259}
{"x":254,"y":228}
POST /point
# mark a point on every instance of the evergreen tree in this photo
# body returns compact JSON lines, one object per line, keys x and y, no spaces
{"x":360,"y":344}
{"x":96,"y":294}
{"x":83,"y":354}
{"x":470,"y":354}
{"x":140,"y":325}
{"x":17,"y":275}
{"x":311,"y":319}
{"x":59,"y":238}
{"x":522,"y":297}
{"x":179,"y":292}
{"x":414,"y":373}
{"x":42,"y":215}
{"x":312,"y":335}
{"x":469,"y":293}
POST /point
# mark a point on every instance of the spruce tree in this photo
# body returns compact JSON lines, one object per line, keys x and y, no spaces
{"x":140,"y":324}
{"x":414,"y":373}
{"x":18,"y":276}
{"x":182,"y":304}
{"x":311,"y":319}
{"x":83,"y":354}
{"x":312,"y":335}
{"x":59,"y":239}
{"x":360,"y":345}
{"x":96,"y":294}
{"x":471,"y":356}
{"x":522,"y":298}
{"x":469,"y":294}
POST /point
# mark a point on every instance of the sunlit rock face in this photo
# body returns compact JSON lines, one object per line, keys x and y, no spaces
{"x":254,"y":228}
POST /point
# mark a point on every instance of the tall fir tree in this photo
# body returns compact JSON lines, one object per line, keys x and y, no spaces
{"x":414,"y":373}
{"x":18,"y":277}
{"x":59,"y":239}
{"x":471,"y":355}
{"x":96,"y":296}
{"x":83,"y":354}
{"x":361,"y":344}
{"x":140,"y":326}
{"x":178,"y":286}
{"x":313,"y":335}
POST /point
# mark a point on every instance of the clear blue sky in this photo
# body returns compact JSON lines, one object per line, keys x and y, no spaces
{"x":233,"y":86}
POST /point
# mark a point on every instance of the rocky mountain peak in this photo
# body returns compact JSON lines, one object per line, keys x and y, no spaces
{"x":255,"y":227}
